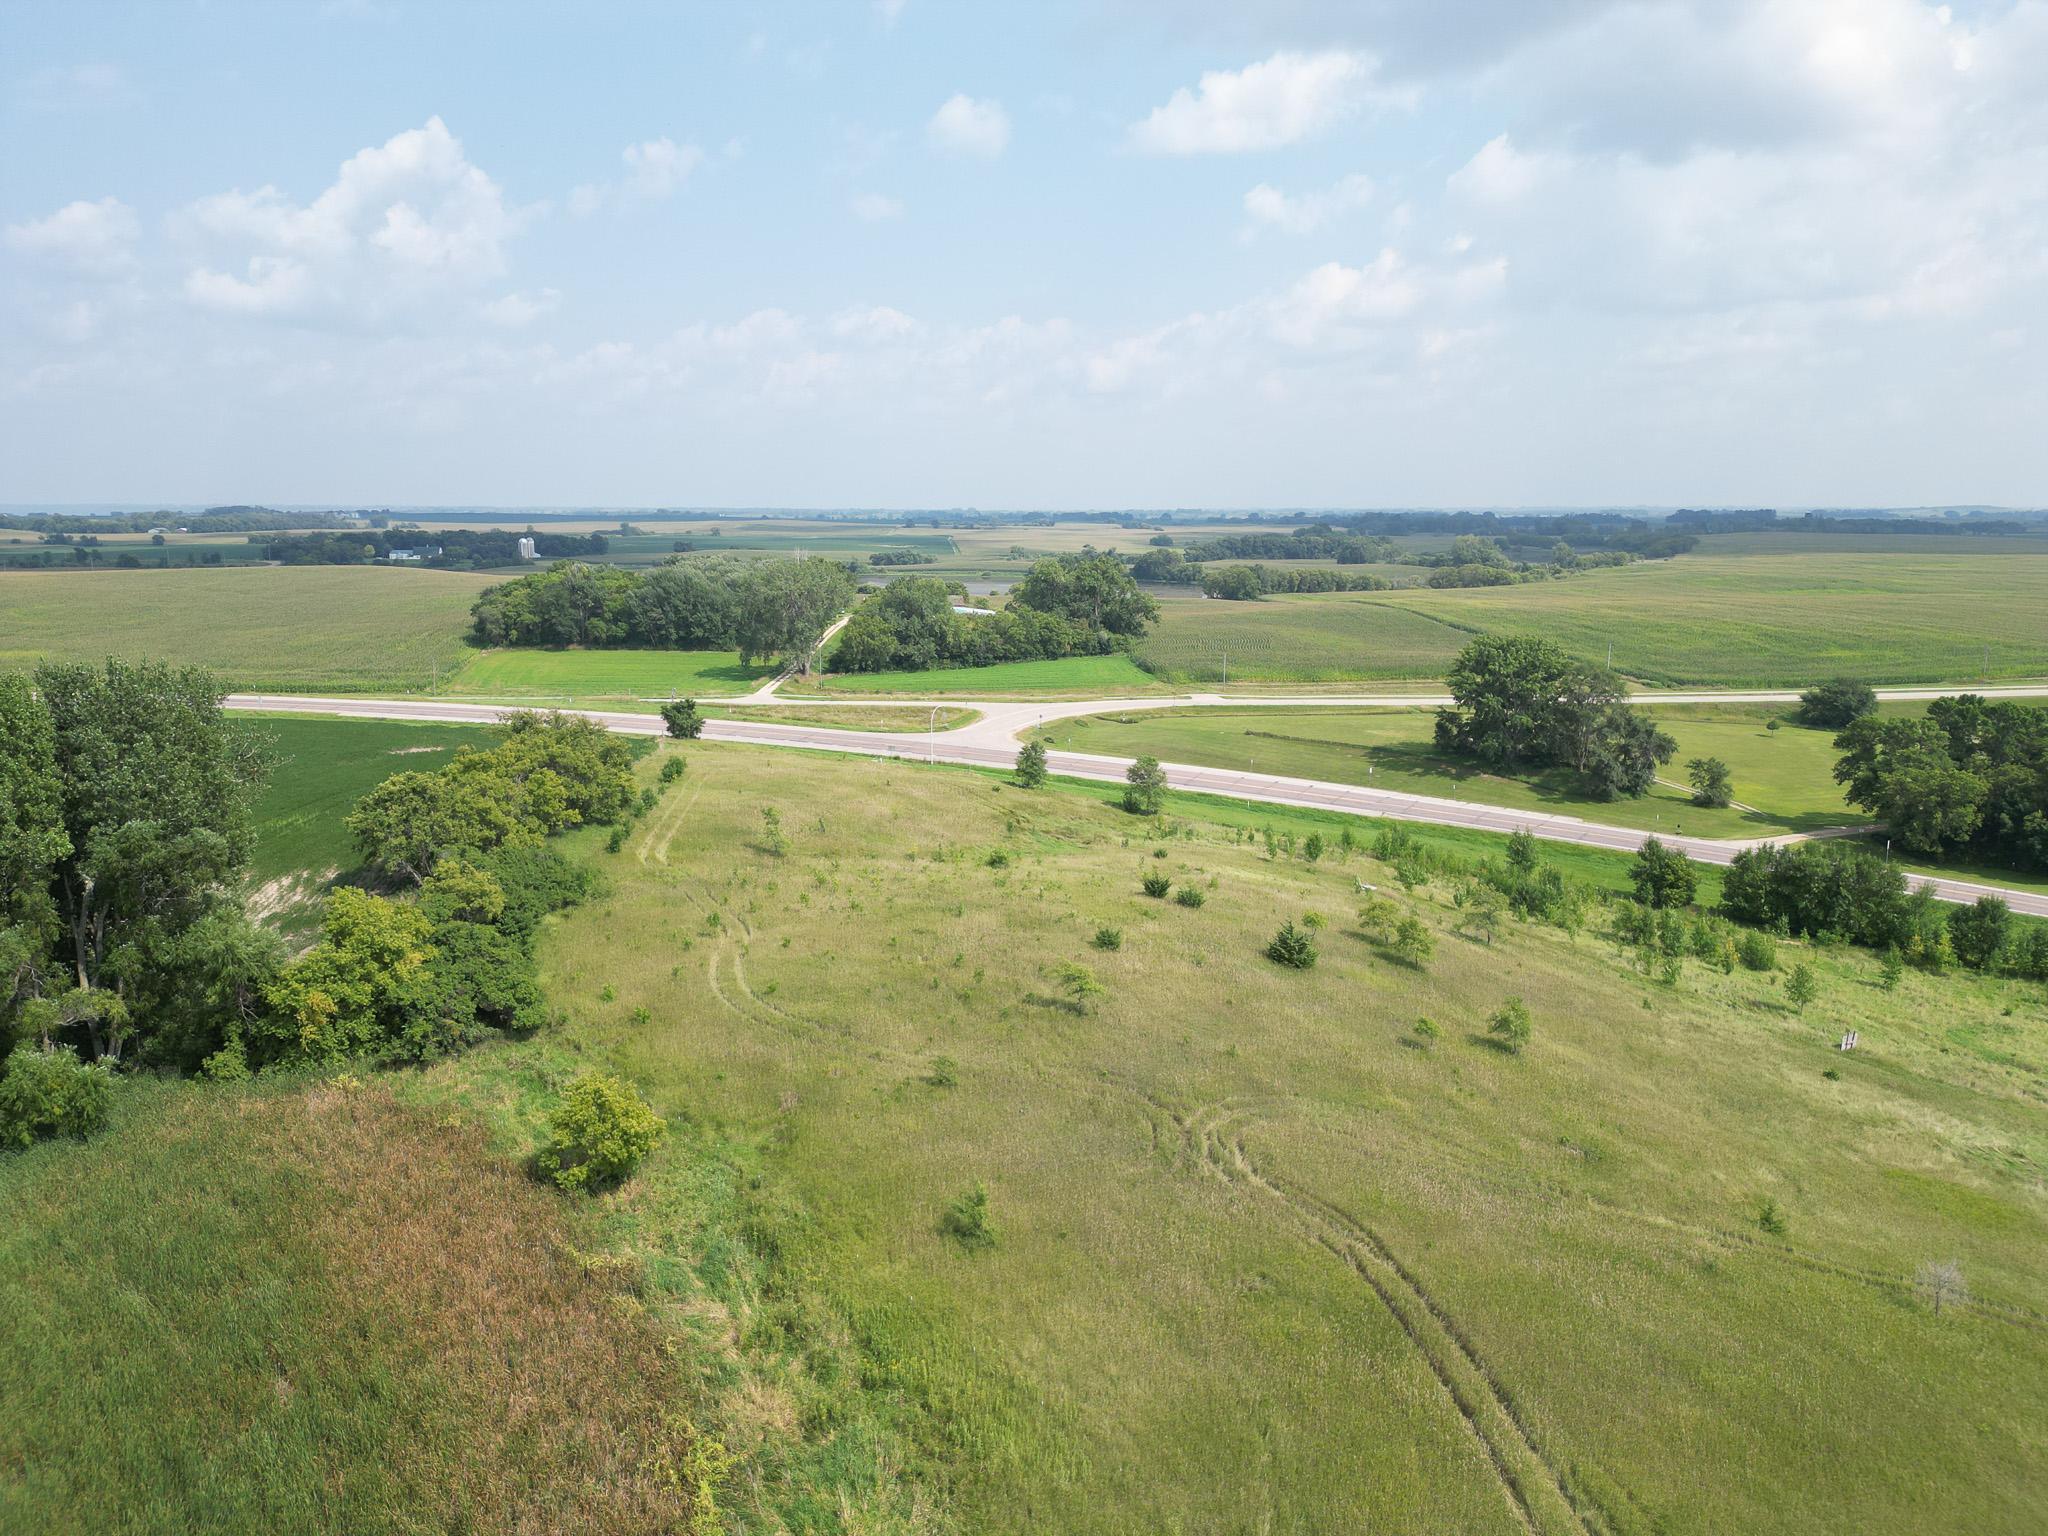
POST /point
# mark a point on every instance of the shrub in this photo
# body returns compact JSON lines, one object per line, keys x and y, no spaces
{"x":945,"y":1072}
{"x":1292,"y":946}
{"x":682,"y":719}
{"x":1144,"y":787}
{"x":1802,"y":986}
{"x":1662,"y":877}
{"x":600,"y":1130}
{"x":50,"y":1093}
{"x":673,"y":769}
{"x":1377,"y":917}
{"x":1893,"y":969}
{"x":1190,"y":896}
{"x":1711,"y":782}
{"x":1510,"y":1025}
{"x":1770,"y":1216}
{"x":617,"y":840}
{"x":1414,"y":943}
{"x":1978,"y":933}
{"x":1312,"y":849}
{"x":1157,"y":885}
{"x":1427,"y":1032}
{"x":1108,"y":938}
{"x":1031,"y":765}
{"x":967,"y":1220}
{"x":1756,"y":952}
{"x":997,"y":860}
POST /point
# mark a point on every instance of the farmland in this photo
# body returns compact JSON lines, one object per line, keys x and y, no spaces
{"x":306,"y":629}
{"x":612,"y":678}
{"x":1755,"y":620}
{"x":1071,"y":676}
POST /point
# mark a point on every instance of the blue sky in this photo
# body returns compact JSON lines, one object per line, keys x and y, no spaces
{"x":1139,"y":253}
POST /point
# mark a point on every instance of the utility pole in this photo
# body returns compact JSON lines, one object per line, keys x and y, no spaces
{"x":931,"y":737}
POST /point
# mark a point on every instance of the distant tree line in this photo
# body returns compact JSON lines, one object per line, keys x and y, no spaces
{"x":1242,"y":582}
{"x":212,"y":520}
{"x":462,"y":549}
{"x":886,"y":557}
{"x":761,"y":608}
{"x":1766,"y":520}
{"x":1067,"y":605}
{"x":1523,"y":703}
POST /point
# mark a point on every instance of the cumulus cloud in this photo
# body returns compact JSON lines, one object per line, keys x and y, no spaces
{"x":402,"y":221}
{"x":1306,"y":212}
{"x":1282,"y":100}
{"x":92,"y":239}
{"x":964,"y":126}
{"x":654,"y":169}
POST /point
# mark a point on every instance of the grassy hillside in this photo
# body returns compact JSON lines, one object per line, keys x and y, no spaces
{"x":1267,"y":1258}
{"x":1266,"y":1264}
{"x":283,"y":1311}
{"x":1740,"y":620}
{"x":303,"y":629}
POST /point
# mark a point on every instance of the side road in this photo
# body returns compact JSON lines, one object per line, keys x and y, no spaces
{"x":991,"y":743}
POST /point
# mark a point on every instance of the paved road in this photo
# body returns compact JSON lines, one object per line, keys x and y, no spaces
{"x":991,"y":743}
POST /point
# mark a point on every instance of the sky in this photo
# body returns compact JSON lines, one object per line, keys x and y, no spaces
{"x":962,"y":253}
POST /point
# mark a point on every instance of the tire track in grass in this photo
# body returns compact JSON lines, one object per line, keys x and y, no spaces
{"x":1537,"y":1491}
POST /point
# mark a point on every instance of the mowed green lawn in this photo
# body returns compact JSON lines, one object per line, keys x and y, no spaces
{"x":1108,"y":675}
{"x":1784,"y":777}
{"x":297,"y":629}
{"x":1248,"y":1230}
{"x":1757,"y":620}
{"x":621,"y":677}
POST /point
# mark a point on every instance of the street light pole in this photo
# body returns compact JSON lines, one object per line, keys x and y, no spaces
{"x":931,"y":735}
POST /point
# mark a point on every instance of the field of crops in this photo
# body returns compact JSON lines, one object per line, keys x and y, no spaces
{"x":1753,"y":620}
{"x":1312,"y":638}
{"x":1111,"y":676}
{"x":307,"y":629}
{"x":615,"y":678}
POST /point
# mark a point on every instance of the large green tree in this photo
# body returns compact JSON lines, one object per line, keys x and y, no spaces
{"x":154,"y":787}
{"x":1094,"y":589}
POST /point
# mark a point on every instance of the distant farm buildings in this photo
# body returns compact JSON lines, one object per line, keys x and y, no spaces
{"x":527,"y":550}
{"x":424,"y":552}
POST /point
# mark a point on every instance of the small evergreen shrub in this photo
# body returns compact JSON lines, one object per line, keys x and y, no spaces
{"x":1293,"y":947}
{"x":1157,"y":885}
{"x":1108,"y":938}
{"x":673,"y":769}
{"x":1757,"y":952}
{"x":1190,"y":896}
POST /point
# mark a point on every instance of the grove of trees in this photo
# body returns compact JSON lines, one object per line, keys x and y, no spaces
{"x":760,"y":608}
{"x":1969,"y":777}
{"x":1523,"y":703}
{"x":1068,"y":605}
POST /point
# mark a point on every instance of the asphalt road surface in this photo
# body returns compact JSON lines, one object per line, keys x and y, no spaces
{"x":991,"y":742}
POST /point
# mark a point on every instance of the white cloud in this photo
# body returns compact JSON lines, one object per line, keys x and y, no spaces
{"x":513,"y":311}
{"x":654,"y":169}
{"x":1305,"y":213}
{"x":401,"y":221}
{"x":92,"y":239}
{"x":875,"y":323}
{"x":964,"y":126}
{"x":1279,"y":101}
{"x":873,"y":207}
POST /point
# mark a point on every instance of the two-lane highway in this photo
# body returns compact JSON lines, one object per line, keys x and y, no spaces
{"x":991,"y":743}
